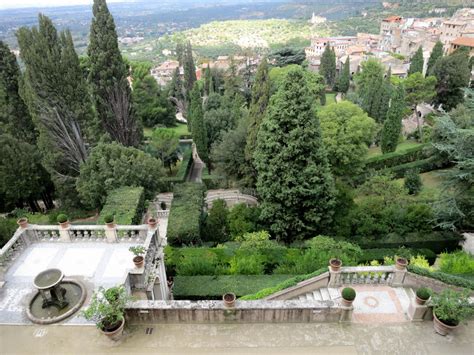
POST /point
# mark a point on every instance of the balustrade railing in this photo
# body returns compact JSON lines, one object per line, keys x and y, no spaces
{"x":367,"y":275}
{"x":13,"y":248}
{"x":131,"y":234}
{"x":88,"y":234}
{"x":44,"y":233}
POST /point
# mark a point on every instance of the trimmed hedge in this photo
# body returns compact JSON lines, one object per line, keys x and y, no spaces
{"x":213,"y":287}
{"x":379,"y":254}
{"x":389,"y":160}
{"x":441,"y":276}
{"x":285,"y":284}
{"x":183,"y":171}
{"x":422,"y":166}
{"x":126,"y":204}
{"x":436,"y":241}
{"x":184,"y":223}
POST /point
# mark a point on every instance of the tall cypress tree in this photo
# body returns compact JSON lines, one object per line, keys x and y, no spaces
{"x":436,"y":53}
{"x":14,"y":116}
{"x":189,"y":68}
{"x":180,"y":53}
{"x":198,"y":129}
{"x":393,"y":123}
{"x":417,"y":62}
{"x":294,"y":182}
{"x":108,"y":77}
{"x":345,"y":78}
{"x":382,"y":99}
{"x":328,"y":65}
{"x":369,"y":83}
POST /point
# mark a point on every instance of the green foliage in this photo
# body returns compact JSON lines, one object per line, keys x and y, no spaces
{"x":196,"y":120}
{"x":61,"y":218}
{"x":216,"y":226}
{"x":423,"y":293}
{"x":185,"y":214}
{"x":417,"y":62}
{"x":109,"y":218}
{"x":452,"y":307}
{"x":413,"y":182}
{"x":213,"y":287}
{"x":294,"y":182}
{"x":8,"y":227}
{"x":243,"y":219}
{"x":419,"y":88}
{"x":347,"y":132}
{"x":420,"y":261}
{"x":369,"y":84}
{"x":436,"y":53}
{"x":164,"y":145}
{"x":111,"y":166}
{"x":328,"y":65}
{"x":398,"y":157}
{"x":392,"y":125}
{"x":287,"y":56}
{"x":345,"y":78}
{"x":441,"y":276}
{"x":348,"y":293}
{"x":380,"y":254}
{"x":458,"y":262}
{"x":138,"y":250}
{"x":252,"y":264}
{"x":126,"y":205}
{"x":140,"y":69}
{"x":189,"y":67}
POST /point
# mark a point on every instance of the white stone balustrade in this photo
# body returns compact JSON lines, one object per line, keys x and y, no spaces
{"x":367,"y":275}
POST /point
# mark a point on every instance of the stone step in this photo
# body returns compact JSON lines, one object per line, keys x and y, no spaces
{"x":325,"y":294}
{"x":302,"y":298}
{"x":317,"y":295}
{"x":309,"y":296}
{"x":334,"y":293}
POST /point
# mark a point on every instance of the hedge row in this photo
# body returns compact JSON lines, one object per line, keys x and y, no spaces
{"x":126,"y":204}
{"x":379,"y":254}
{"x":441,"y":276}
{"x":183,"y":170}
{"x":397,"y":158}
{"x":437,"y":241}
{"x":213,"y":287}
{"x":285,"y":284}
{"x":185,"y":214}
{"x":212,"y":181}
{"x":421,"y":166}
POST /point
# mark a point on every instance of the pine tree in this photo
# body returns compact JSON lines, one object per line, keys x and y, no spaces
{"x":345,"y":78}
{"x":294,"y":182}
{"x":436,"y":53}
{"x":198,"y":129}
{"x":417,"y":62}
{"x":393,"y":123}
{"x":328,"y":65}
{"x":189,"y":68}
{"x":14,"y":116}
{"x":108,"y":78}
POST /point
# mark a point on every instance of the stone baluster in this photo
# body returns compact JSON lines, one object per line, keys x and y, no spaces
{"x":64,"y":234}
{"x":111,"y":234}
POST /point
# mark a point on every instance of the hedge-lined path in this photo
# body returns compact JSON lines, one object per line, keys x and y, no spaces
{"x":195,"y":173}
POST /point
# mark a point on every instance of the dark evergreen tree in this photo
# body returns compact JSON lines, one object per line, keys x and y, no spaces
{"x":216,"y":226}
{"x":14,"y":116}
{"x":413,"y":182}
{"x":180,"y":49}
{"x":189,"y":68}
{"x":294,"y":182}
{"x":393,"y":123}
{"x":345,"y":78}
{"x":208,"y":81}
{"x":382,"y":99}
{"x":198,"y":129}
{"x":108,"y":78}
{"x":369,"y":82}
{"x":176,"y":92}
{"x":436,"y":53}
{"x":328,"y":66}
{"x":417,"y":62}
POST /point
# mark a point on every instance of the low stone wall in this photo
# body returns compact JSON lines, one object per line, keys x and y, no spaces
{"x":301,"y":288}
{"x":148,"y":312}
{"x":416,"y":281}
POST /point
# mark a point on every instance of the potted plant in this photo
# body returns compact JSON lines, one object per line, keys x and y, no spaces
{"x":348,"y":296}
{"x":335,"y":264}
{"x":152,"y":222}
{"x":107,"y":309}
{"x":449,"y":309}
{"x":401,"y":259}
{"x":423,"y":294}
{"x":63,"y":220}
{"x":109,"y":221}
{"x":229,"y":299}
{"x":138,"y":251}
{"x":22,"y":222}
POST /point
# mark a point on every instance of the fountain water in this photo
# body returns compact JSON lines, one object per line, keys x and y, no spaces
{"x":57,"y":298}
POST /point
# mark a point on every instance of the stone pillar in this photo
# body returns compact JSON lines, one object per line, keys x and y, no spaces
{"x":111,"y":234}
{"x":398,"y":277}
{"x":334,"y":278}
{"x":64,"y":235}
{"x":419,"y":312}
{"x":346,"y":314}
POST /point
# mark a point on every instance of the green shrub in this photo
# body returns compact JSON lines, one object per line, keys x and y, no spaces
{"x":458,"y":262}
{"x":213,"y":287}
{"x":61,"y":218}
{"x":252,"y":264}
{"x":186,"y":164}
{"x":8,"y":227}
{"x":441,"y":276}
{"x":126,"y":204}
{"x":184,"y":223}
{"x":108,"y":218}
{"x":348,"y":293}
{"x":423,"y":293}
{"x":413,"y":182}
{"x":243,"y":219}
{"x":389,"y":160}
{"x":422,"y":166}
{"x":216,"y":228}
{"x":205,"y":264}
{"x":452,"y":307}
{"x":380,"y":254}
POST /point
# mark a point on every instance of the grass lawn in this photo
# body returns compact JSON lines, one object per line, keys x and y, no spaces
{"x":401,"y":147}
{"x":330,"y":99}
{"x":432,"y":184}
{"x":180,"y":129}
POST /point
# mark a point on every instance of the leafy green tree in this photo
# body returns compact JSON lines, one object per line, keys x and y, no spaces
{"x":453,"y":73}
{"x":347,"y":132}
{"x":150,"y":104}
{"x":198,"y":128}
{"x":294,"y":182}
{"x":413,"y":182}
{"x":392,"y":126}
{"x":140,"y":70}
{"x":217,"y":122}
{"x":216,"y":226}
{"x":108,"y":78}
{"x":165,"y":146}
{"x":436,"y":53}
{"x":14,"y":116}
{"x":328,"y":66}
{"x":382,"y":99}
{"x":111,"y":166}
{"x":417,"y":62}
{"x":288,"y":56}
{"x":369,"y":82}
{"x":243,"y":219}
{"x":189,"y":68}
{"x":345,"y":78}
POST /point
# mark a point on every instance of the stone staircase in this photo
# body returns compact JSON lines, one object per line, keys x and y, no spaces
{"x":321,"y":294}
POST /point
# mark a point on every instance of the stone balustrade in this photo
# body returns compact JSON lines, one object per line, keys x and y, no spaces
{"x":367,"y":275}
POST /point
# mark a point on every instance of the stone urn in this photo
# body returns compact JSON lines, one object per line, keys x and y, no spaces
{"x":152,"y":223}
{"x":401,"y":263}
{"x":22,"y":222}
{"x":229,"y":299}
{"x":335,"y":264}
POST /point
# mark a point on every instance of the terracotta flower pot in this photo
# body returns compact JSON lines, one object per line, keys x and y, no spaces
{"x":229,"y":299}
{"x":64,"y":225}
{"x":139,"y":261}
{"x":442,"y":328}
{"x":115,"y":334}
{"x":335,"y":264}
{"x":346,"y":303}
{"x":152,"y":223}
{"x":23,"y":222}
{"x":421,"y":301}
{"x":401,"y":263}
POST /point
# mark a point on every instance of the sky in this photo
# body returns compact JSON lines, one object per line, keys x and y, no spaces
{"x":10,"y":4}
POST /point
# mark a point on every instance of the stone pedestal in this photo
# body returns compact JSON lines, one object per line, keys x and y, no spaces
{"x":346,"y":314}
{"x":419,"y":312}
{"x":334,"y":278}
{"x":399,"y":277}
{"x":64,"y":235}
{"x":111,"y":235}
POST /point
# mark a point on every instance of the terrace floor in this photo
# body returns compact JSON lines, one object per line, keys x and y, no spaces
{"x":96,"y":264}
{"x":287,"y":338}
